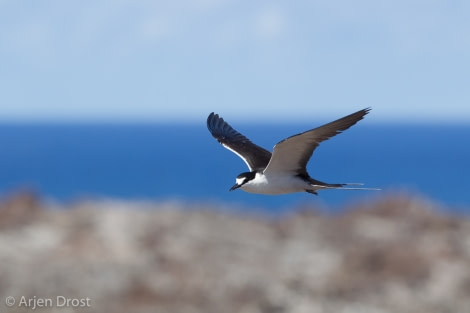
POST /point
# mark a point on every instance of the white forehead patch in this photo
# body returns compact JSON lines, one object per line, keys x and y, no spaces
{"x":240,"y":180}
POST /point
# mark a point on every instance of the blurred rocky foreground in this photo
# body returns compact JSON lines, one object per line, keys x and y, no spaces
{"x":395,"y":254}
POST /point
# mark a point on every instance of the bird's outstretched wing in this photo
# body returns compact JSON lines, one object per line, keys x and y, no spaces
{"x":254,"y":156}
{"x":293,"y":153}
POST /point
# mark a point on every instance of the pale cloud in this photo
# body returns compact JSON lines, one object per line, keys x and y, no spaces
{"x":155,"y":28}
{"x":75,"y":29}
{"x":271,"y":22}
{"x":408,"y":28}
{"x":34,"y":36}
{"x":193,"y":53}
{"x":256,"y":25}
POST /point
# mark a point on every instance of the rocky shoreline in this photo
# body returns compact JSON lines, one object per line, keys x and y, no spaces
{"x":395,"y":254}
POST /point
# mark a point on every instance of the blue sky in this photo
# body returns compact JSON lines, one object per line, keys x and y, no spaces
{"x":143,"y":60}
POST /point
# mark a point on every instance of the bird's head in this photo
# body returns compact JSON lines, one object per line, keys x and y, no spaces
{"x":242,"y":179}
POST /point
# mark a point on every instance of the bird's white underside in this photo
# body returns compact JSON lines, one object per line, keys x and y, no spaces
{"x":274,"y":184}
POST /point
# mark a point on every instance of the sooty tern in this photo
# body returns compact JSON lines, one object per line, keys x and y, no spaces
{"x":283,"y":171}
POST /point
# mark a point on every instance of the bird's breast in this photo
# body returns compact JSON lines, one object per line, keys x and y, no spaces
{"x":275,"y":184}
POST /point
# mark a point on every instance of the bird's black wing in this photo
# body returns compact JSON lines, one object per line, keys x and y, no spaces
{"x":293,"y":153}
{"x":254,"y":156}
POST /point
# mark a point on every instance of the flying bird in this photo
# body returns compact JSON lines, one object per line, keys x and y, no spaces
{"x":284,"y":170}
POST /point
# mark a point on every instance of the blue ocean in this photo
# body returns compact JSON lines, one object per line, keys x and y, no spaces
{"x":177,"y":162}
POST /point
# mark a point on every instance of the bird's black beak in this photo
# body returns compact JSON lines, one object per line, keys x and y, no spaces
{"x":236,"y":186}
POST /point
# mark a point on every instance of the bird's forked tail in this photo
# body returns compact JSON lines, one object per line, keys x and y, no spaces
{"x":318,"y":185}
